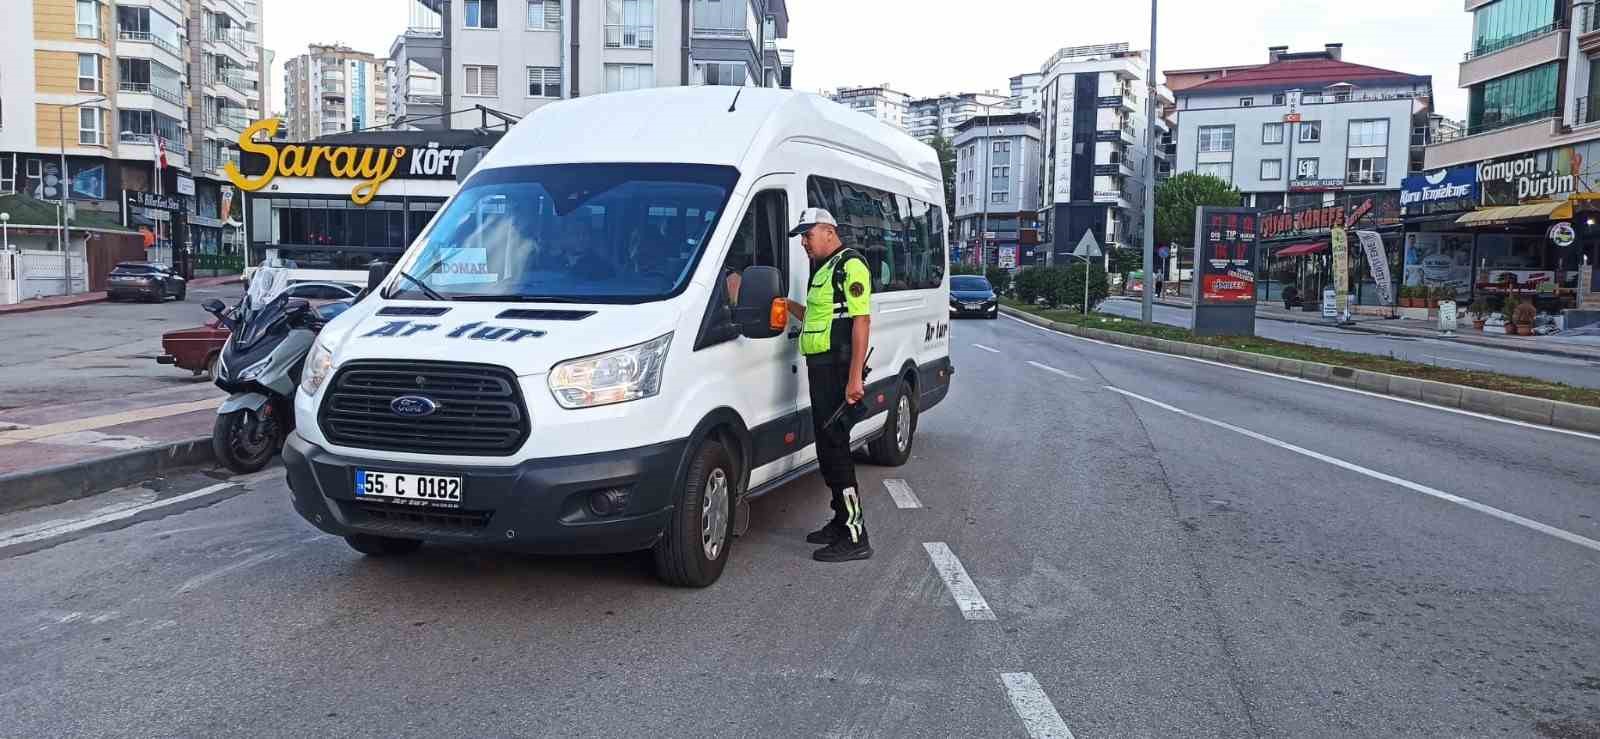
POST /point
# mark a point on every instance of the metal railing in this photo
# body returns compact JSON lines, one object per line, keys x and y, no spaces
{"x":1585,"y":111}
{"x":1490,"y":47}
{"x":146,"y":37}
{"x":143,"y":87}
{"x":425,"y":99}
{"x":733,"y":33}
{"x":233,"y":37}
{"x":130,"y":137}
{"x":1485,"y":126}
{"x":630,"y":37}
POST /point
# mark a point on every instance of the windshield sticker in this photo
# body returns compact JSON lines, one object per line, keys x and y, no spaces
{"x":475,"y":330}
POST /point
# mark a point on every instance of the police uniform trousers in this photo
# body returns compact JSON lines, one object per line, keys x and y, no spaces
{"x":829,"y":373}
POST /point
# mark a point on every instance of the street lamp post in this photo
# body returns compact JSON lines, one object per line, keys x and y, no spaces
{"x":1147,"y":301}
{"x":66,"y":190}
{"x":5,"y":232}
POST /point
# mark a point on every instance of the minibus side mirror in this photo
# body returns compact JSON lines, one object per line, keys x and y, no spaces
{"x":762,"y":312}
{"x":469,"y":161}
{"x":376,"y":271}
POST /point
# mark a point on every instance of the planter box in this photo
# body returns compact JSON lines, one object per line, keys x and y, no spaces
{"x":1417,"y":314}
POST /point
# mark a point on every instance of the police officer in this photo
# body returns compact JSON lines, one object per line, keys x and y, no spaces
{"x":837,"y":327}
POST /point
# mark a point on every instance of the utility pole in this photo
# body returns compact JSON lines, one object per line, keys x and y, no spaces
{"x":1147,"y":302}
{"x":66,"y":190}
{"x":983,"y":218}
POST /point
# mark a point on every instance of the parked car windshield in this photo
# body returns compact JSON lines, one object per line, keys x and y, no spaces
{"x":620,"y":233}
{"x":969,"y":284}
{"x":133,"y":269}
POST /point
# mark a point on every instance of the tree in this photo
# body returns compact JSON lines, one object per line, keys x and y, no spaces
{"x":947,"y":164}
{"x":1176,"y":198}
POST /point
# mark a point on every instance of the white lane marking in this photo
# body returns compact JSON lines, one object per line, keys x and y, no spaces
{"x":1048,"y":368}
{"x":900,"y":490}
{"x":1438,"y":358}
{"x":1038,"y":714}
{"x":37,"y":534}
{"x":1330,"y":386}
{"x":987,"y":349}
{"x":955,"y":577}
{"x":1542,"y":528}
{"x":8,"y":438}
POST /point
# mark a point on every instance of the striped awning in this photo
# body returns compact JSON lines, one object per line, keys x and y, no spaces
{"x":1555,"y":210}
{"x":1300,"y":250}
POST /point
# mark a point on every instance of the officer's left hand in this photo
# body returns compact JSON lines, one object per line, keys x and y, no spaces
{"x":854,"y":391}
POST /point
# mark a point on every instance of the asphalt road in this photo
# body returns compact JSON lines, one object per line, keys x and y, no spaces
{"x":95,"y":351}
{"x":1200,"y":551}
{"x":1438,"y":352}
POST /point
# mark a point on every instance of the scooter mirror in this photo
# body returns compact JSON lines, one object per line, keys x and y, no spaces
{"x":214,"y":307}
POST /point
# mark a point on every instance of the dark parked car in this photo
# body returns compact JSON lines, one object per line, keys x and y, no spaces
{"x":195,"y":349}
{"x":971,"y":295}
{"x":144,"y":281}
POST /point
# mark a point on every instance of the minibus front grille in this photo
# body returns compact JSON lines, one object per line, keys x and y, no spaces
{"x":478,"y":409}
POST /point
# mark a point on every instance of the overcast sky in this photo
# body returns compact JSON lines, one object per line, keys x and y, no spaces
{"x":925,"y":47}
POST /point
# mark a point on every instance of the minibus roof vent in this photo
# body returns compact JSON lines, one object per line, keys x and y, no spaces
{"x":412,"y":310}
{"x":536,"y":314}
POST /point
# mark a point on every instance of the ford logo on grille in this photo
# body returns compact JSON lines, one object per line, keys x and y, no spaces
{"x":413,"y":406}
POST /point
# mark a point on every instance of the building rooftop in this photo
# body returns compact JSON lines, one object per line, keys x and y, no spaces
{"x":1312,"y":69}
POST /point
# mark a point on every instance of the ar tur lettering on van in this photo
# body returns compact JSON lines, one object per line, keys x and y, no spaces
{"x":475,"y":331}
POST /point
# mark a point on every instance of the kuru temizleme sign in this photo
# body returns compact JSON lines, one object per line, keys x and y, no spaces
{"x":369,"y":166}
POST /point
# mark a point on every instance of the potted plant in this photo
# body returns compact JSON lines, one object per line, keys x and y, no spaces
{"x":1525,"y":314}
{"x":1408,"y":297}
{"x":1508,"y":313}
{"x":1480,"y":312}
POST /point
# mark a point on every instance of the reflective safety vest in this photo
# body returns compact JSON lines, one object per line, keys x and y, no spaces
{"x":839,"y":290}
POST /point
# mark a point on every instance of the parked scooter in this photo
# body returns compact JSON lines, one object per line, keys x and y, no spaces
{"x":271,"y":334}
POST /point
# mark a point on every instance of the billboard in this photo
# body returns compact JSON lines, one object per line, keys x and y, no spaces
{"x":1226,"y":267}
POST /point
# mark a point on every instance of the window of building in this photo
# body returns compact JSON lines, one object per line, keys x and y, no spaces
{"x":1002,"y":147}
{"x":88,"y":73}
{"x":631,"y":24}
{"x":8,"y":174}
{"x":731,"y":74}
{"x":1365,"y":171}
{"x":998,"y":172}
{"x":1246,"y":102}
{"x":901,"y":238}
{"x":1504,"y":23}
{"x":1279,"y":98}
{"x":34,"y":169}
{"x":1272,"y":169}
{"x":1272,"y":133}
{"x":544,"y":82}
{"x":544,"y":15}
{"x":88,"y":19}
{"x":1310,"y":132}
{"x":1216,"y":138}
{"x":1515,"y":98}
{"x":1306,"y":168}
{"x":1369,"y":133}
{"x":1220,"y":170}
{"x":621,"y":77}
{"x":89,"y":127}
{"x":997,"y":197}
{"x":480,"y":13}
{"x":483,"y":81}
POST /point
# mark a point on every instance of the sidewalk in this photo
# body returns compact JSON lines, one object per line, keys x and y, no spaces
{"x":1420,"y":329}
{"x":68,"y":301}
{"x":53,"y":453}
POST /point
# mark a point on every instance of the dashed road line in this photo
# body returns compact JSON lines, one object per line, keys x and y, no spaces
{"x":900,"y":490}
{"x":956,"y":580}
{"x":1048,"y":368}
{"x":991,"y":350}
{"x":1509,"y":517}
{"x":1038,"y":714}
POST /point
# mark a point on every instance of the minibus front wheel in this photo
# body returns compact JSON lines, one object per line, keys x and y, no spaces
{"x":694,"y":549}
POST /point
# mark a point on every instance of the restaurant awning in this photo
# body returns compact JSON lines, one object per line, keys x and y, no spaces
{"x":1555,"y":210}
{"x":1300,"y":250}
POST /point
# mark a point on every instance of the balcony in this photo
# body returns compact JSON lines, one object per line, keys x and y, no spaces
{"x":1588,"y":28}
{"x":1497,"y":139}
{"x":736,"y":34}
{"x":145,"y":37}
{"x":1504,"y":56}
{"x":425,"y":100}
{"x":630,"y":37}
{"x":145,"y":88}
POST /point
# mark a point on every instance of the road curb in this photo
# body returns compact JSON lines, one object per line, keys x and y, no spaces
{"x":34,"y":488}
{"x":1459,"y":339}
{"x":1544,"y":412}
{"x":25,"y":308}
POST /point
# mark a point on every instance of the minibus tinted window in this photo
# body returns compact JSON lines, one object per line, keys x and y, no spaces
{"x":624,"y":233}
{"x":902,"y":238}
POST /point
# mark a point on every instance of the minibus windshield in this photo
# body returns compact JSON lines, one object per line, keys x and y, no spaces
{"x":570,"y":233}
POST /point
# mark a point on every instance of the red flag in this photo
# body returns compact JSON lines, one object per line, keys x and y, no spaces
{"x":161,"y":154}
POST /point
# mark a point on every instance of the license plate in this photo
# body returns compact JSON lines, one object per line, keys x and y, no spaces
{"x":414,"y":488}
{"x":974,"y":306}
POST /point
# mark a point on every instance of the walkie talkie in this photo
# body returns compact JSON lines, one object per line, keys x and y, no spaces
{"x":866,"y":371}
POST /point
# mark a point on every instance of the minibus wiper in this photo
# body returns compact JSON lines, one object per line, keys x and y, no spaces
{"x":517,"y":299}
{"x":428,"y":291}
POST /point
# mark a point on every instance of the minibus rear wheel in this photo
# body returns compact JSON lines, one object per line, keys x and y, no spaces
{"x":892,"y":448}
{"x":695,"y":547}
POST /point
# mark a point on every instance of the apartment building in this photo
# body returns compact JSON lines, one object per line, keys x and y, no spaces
{"x":1025,"y":93}
{"x":100,"y":84}
{"x":880,"y":101}
{"x":1303,"y":128}
{"x":334,"y":89}
{"x":1532,"y":136}
{"x":513,"y":56}
{"x":225,"y":96}
{"x":938,"y":117}
{"x":1093,"y":128}
{"x":997,"y":189}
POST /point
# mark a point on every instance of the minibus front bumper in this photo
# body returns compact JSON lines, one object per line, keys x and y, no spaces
{"x":608,"y":502}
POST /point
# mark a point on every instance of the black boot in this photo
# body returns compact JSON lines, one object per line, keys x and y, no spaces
{"x":844,"y":550}
{"x":827,"y":534}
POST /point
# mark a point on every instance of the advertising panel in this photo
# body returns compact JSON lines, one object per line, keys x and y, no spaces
{"x":1227,"y":265}
{"x":1377,"y":265}
{"x":1442,"y":191}
{"x":1439,"y":260}
{"x":1341,"y":270}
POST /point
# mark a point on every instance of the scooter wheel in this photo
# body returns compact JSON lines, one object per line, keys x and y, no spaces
{"x":244,"y":441}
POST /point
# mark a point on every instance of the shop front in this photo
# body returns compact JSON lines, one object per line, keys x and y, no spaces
{"x":1296,"y":256}
{"x":333,"y":205}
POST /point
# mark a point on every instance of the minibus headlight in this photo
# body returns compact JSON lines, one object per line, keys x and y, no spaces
{"x":614,"y":377}
{"x":318,"y":364}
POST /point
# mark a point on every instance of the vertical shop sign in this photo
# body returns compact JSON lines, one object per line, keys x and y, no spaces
{"x":1377,"y":264}
{"x":1341,"y":272}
